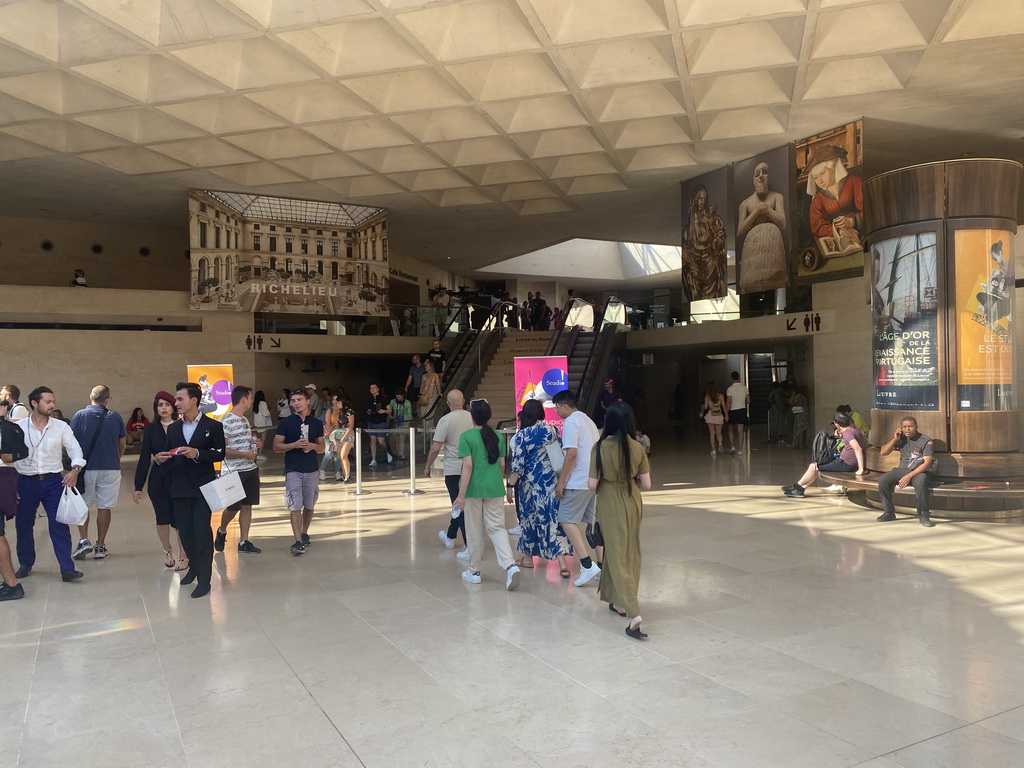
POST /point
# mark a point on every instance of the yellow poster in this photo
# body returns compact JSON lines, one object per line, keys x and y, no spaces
{"x":216,"y":382}
{"x":984,"y":305}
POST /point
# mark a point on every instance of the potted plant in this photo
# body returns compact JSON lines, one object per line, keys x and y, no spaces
{"x":208,"y":283}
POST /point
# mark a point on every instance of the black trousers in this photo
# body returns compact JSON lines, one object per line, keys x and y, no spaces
{"x":192,"y":519}
{"x":451,"y":482}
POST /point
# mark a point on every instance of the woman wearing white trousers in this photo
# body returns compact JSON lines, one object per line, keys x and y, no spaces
{"x":481,"y":495}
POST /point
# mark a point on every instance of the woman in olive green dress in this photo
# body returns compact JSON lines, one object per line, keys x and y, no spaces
{"x":619,"y":471}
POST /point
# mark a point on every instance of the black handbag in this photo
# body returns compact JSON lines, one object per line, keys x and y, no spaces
{"x":594,"y":537}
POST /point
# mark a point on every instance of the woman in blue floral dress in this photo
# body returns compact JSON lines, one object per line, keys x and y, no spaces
{"x":535,"y":479}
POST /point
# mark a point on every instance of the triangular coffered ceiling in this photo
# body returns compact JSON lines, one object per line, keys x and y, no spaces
{"x":489,"y":128}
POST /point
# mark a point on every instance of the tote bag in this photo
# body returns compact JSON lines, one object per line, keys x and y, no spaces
{"x":554,"y":449}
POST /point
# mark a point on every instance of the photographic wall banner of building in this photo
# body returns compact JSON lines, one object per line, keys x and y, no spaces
{"x":829,"y":222}
{"x":904,"y":310}
{"x":706,"y":210}
{"x":254,"y":253}
{"x":984,"y":311}
{"x":762,"y":220}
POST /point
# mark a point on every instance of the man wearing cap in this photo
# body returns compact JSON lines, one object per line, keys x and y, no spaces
{"x":314,"y":399}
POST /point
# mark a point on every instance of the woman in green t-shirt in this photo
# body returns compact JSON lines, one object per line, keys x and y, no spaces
{"x":481,"y":494}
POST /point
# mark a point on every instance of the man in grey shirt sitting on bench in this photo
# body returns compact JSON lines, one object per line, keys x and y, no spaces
{"x":917,"y":462}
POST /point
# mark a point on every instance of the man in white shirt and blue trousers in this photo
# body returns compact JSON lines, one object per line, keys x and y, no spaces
{"x":40,"y":482}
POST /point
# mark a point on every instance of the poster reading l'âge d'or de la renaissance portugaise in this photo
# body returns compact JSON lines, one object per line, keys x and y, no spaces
{"x":984,"y":307}
{"x":904,"y":309}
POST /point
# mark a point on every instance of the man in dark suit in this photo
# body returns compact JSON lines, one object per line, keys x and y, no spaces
{"x":195,"y":442}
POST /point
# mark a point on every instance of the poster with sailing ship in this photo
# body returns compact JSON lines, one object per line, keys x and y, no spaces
{"x":984,"y":307}
{"x":904,"y":310}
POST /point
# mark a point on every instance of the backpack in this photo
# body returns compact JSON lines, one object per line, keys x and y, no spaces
{"x":12,"y":442}
{"x":822,"y":447}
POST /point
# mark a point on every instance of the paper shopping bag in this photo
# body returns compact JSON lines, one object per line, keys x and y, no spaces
{"x":224,"y":491}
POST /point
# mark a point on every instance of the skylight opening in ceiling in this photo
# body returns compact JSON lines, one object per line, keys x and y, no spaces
{"x":342,"y":215}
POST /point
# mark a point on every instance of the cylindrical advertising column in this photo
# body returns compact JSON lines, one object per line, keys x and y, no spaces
{"x":941,"y":237}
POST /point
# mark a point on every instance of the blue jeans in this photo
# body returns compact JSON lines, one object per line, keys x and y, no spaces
{"x":328,"y":455}
{"x":47,"y":492}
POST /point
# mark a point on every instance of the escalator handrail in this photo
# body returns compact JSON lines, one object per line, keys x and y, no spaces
{"x":553,"y":344}
{"x":479,"y":338}
{"x":595,"y":350}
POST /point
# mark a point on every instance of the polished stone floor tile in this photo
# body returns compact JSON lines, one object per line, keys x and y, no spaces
{"x":962,"y":748}
{"x":783,"y":632}
{"x":877,"y":721}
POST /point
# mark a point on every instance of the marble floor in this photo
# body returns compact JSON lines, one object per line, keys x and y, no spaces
{"x":783,"y":632}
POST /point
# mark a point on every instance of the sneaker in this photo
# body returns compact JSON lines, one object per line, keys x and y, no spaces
{"x":512,"y":577}
{"x":11,"y":593}
{"x":927,"y":521}
{"x":785,"y":488}
{"x":443,"y":536}
{"x":248,"y":546}
{"x":886,"y":517}
{"x":463,"y":554}
{"x":347,"y":480}
{"x":390,"y":458}
{"x":517,"y":531}
{"x":298,"y":548}
{"x":714,"y":453}
{"x":373,"y":463}
{"x":471,"y":577}
{"x":337,"y":476}
{"x":586,"y":574}
{"x":840,"y":489}
{"x":323,"y":475}
{"x":219,"y":540}
{"x":71,"y":575}
{"x":305,"y":540}
{"x":84,"y":548}
{"x":796,"y":492}
{"x":100,"y":553}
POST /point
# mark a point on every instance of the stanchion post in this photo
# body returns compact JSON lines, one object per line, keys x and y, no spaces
{"x":412,"y":464}
{"x":359,"y":466}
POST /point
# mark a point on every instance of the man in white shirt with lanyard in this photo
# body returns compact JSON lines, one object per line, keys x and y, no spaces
{"x":40,"y":482}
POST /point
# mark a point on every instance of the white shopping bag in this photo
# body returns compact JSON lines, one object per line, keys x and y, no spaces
{"x":224,"y":491}
{"x":72,"y":509}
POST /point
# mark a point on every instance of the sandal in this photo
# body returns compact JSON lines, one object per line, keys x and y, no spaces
{"x":526,"y":562}
{"x":168,"y":558}
{"x":564,"y":573}
{"x":182,"y":564}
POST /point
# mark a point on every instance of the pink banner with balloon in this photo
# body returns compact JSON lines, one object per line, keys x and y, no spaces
{"x":541,"y":378}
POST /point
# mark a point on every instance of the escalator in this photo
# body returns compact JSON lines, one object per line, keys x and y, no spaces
{"x":589,"y":351}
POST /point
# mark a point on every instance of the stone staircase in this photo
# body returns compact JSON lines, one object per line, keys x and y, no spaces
{"x":498,"y":382}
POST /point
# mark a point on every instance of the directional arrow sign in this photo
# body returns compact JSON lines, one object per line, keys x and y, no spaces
{"x":275,"y":342}
{"x":791,"y":324}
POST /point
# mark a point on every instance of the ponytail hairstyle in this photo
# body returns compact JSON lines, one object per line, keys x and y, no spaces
{"x":480,"y":410}
{"x":620,"y":427}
